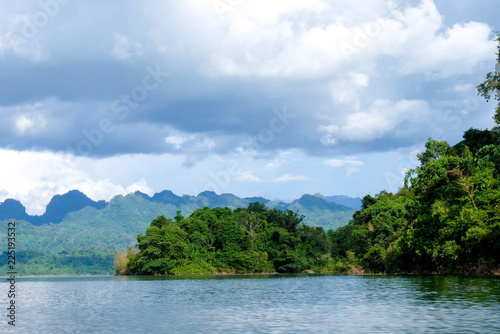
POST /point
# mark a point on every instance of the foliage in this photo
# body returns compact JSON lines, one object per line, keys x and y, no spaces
{"x":90,"y":260}
{"x":124,"y":260}
{"x":445,"y":219}
{"x":492,"y":84}
{"x":245,"y":240}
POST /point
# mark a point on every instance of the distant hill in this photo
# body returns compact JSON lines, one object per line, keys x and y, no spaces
{"x":350,"y":202}
{"x":12,"y":209}
{"x":58,"y":207}
{"x":318,"y":210}
{"x":85,"y":234}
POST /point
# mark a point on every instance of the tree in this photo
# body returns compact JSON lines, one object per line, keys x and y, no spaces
{"x":492,"y":84}
{"x":475,"y":139}
{"x":249,"y":222}
{"x":288,"y":219}
{"x":224,"y":240}
{"x":162,"y":248}
{"x":257,"y":207}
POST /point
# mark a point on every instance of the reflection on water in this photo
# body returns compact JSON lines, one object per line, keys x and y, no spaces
{"x":257,"y":304}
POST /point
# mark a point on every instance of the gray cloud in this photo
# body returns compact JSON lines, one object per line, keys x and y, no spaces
{"x":227,"y":80}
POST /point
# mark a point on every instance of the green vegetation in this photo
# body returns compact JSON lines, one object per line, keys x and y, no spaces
{"x":445,"y":219}
{"x":492,"y":84}
{"x":244,"y":240}
{"x":88,"y":261}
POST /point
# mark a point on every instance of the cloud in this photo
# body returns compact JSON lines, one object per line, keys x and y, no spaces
{"x":353,"y":170}
{"x":358,"y":77}
{"x":176,"y":140}
{"x":123,"y":48}
{"x":352,"y":164}
{"x":347,"y":161}
{"x":30,"y":123}
{"x":460,"y":88}
{"x":290,"y":178}
{"x":381,"y":118}
{"x":414,"y":36}
{"x":275,"y":164}
{"x":54,"y":174}
{"x":226,"y":76}
{"x":247,"y":176}
{"x":347,"y":91}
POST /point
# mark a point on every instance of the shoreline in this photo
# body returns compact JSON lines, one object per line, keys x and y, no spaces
{"x":355,"y":271}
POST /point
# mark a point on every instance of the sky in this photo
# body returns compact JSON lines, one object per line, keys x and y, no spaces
{"x":257,"y":98}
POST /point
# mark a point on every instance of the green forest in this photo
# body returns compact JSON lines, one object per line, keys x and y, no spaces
{"x":244,"y":240}
{"x":445,"y":219}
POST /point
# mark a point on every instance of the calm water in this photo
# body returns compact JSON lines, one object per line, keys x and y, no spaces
{"x":255,"y":304}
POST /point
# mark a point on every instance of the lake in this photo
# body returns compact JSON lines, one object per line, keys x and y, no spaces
{"x":255,"y":304}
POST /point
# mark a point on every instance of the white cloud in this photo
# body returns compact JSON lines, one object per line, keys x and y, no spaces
{"x":360,"y":79}
{"x":267,"y":41}
{"x":41,"y":119}
{"x":176,"y":140}
{"x":448,"y":54}
{"x":460,"y":88}
{"x":382,"y":117}
{"x":353,"y":170}
{"x":290,"y":178}
{"x":35,"y":177}
{"x":123,"y":48}
{"x":271,"y":12}
{"x":328,"y":140}
{"x":275,"y":164}
{"x":347,"y":91}
{"x":347,"y":161}
{"x":194,"y":143}
{"x":247,"y":176}
{"x":30,"y":123}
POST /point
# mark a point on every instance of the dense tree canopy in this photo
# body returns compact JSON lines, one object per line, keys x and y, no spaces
{"x":253,"y":239}
{"x":446,"y":218}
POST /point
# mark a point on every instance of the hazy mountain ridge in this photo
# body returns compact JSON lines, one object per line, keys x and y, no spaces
{"x":69,"y":246}
{"x":58,"y":207}
{"x":62,"y":205}
{"x":351,"y":202}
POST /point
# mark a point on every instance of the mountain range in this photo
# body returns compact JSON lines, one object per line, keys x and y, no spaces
{"x":77,"y":235}
{"x":58,"y":207}
{"x":314,"y":207}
